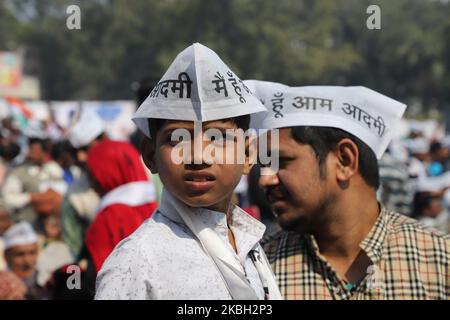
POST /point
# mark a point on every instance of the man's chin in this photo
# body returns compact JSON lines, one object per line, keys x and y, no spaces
{"x":24,"y":274}
{"x":289,"y":223}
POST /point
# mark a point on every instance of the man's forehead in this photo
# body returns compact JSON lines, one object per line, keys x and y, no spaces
{"x":284,"y":141}
{"x":24,"y":247}
{"x":280,"y":136}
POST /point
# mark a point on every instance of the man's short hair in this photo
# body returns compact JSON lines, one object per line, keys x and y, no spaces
{"x":44,"y":143}
{"x":325,"y":139}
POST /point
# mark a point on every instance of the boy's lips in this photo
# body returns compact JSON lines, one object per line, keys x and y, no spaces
{"x":199,"y":176}
{"x":199,"y":180}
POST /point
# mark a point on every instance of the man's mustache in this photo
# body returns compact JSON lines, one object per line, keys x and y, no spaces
{"x":26,"y":267}
{"x":275,"y":194}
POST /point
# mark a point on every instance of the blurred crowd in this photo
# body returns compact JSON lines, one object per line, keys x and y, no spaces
{"x":63,"y":209}
{"x":415,"y":178}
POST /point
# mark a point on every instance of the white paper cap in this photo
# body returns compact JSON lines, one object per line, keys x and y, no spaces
{"x":198,"y":86}
{"x":367,"y":114}
{"x":88,"y":127}
{"x":446,"y":141}
{"x":429,"y":184}
{"x":418,"y":145}
{"x":21,"y":233}
{"x":445,"y":180}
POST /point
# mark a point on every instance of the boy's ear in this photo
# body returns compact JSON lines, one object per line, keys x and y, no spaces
{"x":148,"y":152}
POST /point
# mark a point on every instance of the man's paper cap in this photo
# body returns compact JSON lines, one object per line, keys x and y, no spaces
{"x":21,"y":233}
{"x":88,"y":127}
{"x":362,"y":112}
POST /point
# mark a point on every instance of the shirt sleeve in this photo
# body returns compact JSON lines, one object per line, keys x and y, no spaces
{"x":13,"y":194}
{"x":124,"y":275}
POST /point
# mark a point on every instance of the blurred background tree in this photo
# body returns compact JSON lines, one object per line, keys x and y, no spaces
{"x":296,"y":42}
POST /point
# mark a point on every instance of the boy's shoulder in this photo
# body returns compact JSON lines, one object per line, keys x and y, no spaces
{"x":144,"y":258}
{"x":158,"y":234}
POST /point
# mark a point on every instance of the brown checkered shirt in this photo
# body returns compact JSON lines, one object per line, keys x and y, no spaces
{"x":409,"y":261}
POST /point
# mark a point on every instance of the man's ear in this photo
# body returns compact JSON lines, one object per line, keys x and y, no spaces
{"x":347,"y":155}
{"x":148,"y":152}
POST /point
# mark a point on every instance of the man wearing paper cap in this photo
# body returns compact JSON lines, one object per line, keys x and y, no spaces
{"x":197,"y":245}
{"x":21,"y":253}
{"x":429,"y":206}
{"x":419,"y":149}
{"x":342,"y":243}
{"x":6,"y":221}
{"x":88,"y":129}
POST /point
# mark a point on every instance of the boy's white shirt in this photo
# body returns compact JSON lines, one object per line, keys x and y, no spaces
{"x":174,"y":254}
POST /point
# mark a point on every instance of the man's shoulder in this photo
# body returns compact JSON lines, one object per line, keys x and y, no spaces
{"x":20,"y":169}
{"x":405,"y":230}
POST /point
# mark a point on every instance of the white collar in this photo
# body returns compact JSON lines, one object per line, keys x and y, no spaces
{"x":242,"y":224}
{"x":209,"y":227}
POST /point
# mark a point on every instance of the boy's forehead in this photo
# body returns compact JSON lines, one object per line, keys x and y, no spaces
{"x":175,"y":124}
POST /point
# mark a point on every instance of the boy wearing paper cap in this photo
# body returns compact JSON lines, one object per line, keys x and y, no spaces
{"x":342,"y":243}
{"x":197,"y":245}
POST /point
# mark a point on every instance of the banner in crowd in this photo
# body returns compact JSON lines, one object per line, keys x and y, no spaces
{"x":115,"y":114}
{"x":10,"y":69}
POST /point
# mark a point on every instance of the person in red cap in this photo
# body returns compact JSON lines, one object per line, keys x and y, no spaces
{"x":127,"y":196}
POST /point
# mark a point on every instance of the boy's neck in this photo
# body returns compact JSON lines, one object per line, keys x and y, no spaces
{"x":223,"y":206}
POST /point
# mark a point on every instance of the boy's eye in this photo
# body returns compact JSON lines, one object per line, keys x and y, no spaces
{"x":219,"y":137}
{"x":172,"y":141}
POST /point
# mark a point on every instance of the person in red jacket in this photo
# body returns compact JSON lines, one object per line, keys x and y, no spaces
{"x":127,"y":196}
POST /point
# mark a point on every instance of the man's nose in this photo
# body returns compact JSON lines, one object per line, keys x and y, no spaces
{"x":268,"y":180}
{"x":29,"y":259}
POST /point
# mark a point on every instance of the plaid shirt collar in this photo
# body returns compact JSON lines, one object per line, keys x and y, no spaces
{"x":372,"y":245}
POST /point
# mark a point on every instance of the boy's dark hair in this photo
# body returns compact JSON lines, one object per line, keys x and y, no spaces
{"x":324,"y":139}
{"x":143,"y":89}
{"x":242,"y":122}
